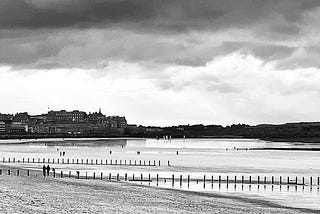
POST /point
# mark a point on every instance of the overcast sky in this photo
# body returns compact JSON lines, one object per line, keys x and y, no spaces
{"x":163,"y":62}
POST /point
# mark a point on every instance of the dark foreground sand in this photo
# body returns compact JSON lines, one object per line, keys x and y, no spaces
{"x":21,"y":194}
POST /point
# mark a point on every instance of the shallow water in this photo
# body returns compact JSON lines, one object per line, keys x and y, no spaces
{"x":193,"y":157}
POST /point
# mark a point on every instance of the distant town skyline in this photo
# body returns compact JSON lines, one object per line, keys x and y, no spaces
{"x":164,"y":62}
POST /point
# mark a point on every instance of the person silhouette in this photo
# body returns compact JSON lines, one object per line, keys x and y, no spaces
{"x":48,"y":170}
{"x":44,"y":170}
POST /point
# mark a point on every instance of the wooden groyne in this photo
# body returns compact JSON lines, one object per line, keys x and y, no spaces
{"x":84,"y":161}
{"x":174,"y":179}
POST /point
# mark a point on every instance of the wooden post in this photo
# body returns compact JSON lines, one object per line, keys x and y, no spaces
{"x":101,"y":162}
{"x":318,"y":181}
{"x":110,"y":176}
{"x":280,"y":180}
{"x":235,"y":179}
{"x":8,"y":171}
{"x":272,"y":180}
{"x":159,"y":163}
{"x":219,"y":179}
{"x":68,"y":161}
{"x":96,"y":161}
{"x":94,"y":176}
{"x":168,"y":163}
{"x":54,"y":173}
{"x":302,"y":180}
{"x":149,"y":163}
{"x":157,"y":179}
{"x":141,"y":177}
{"x":227,"y":180}
{"x":69,"y":174}
{"x":188,"y":180}
{"x":140,"y":162}
{"x":9,"y":160}
{"x":48,"y":160}
{"x":28,"y":160}
{"x":81,"y":161}
{"x":28,"y":173}
{"x":130,"y":162}
{"x":33,"y":160}
{"x":106,"y":162}
{"x":265,"y":179}
{"x":172,"y":179}
{"x":149,"y":177}
{"x":61,"y":175}
{"x":310,"y":181}
{"x":72,"y":161}
{"x":18,"y":172}
{"x":118,"y":179}
{"x":120,"y":162}
{"x":77,"y":161}
{"x":258,"y":179}
{"x":111,"y":162}
{"x":154,"y":163}
{"x":288,"y":180}
{"x":14,"y":160}
{"x":132,"y":177}
{"x":204,"y":181}
{"x":242,"y":179}
{"x":101,"y":175}
{"x":250,"y":179}
{"x":125,"y":177}
{"x":144,"y":163}
{"x":86,"y":175}
{"x":87,"y":161}
{"x":78,"y":174}
{"x":296,"y":180}
{"x":58,"y":160}
{"x":180,"y":180}
{"x":211,"y":179}
{"x":22,"y":160}
{"x":125,"y":162}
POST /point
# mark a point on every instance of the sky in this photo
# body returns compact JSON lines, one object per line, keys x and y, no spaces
{"x":163,"y":62}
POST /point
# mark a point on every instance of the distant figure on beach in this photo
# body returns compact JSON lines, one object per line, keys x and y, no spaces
{"x":110,"y":152}
{"x":54,"y":171}
{"x":57,"y":149}
{"x":48,"y":170}
{"x":138,"y":152}
{"x":64,"y":153}
{"x":60,"y":154}
{"x":44,"y":170}
{"x":177,"y":152}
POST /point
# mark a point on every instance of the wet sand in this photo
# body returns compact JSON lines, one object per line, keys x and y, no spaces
{"x":35,"y":194}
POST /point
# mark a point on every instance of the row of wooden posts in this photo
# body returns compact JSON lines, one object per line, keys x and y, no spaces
{"x":86,"y":161}
{"x":180,"y":179}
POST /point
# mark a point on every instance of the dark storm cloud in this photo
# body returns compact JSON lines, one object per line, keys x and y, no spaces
{"x":174,"y":14}
{"x":54,"y":33}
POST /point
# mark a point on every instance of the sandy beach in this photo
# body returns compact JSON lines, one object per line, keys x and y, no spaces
{"x":35,"y":194}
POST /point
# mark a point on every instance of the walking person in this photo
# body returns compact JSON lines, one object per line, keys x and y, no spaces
{"x":48,"y":170}
{"x":44,"y":170}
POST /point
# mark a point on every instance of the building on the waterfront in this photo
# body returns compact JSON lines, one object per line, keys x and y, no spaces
{"x":17,"y":127}
{"x":63,"y":122}
{"x":2,"y":127}
{"x":23,"y":117}
{"x":117,"y":122}
{"x":64,"y":116}
{"x":6,"y":117}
